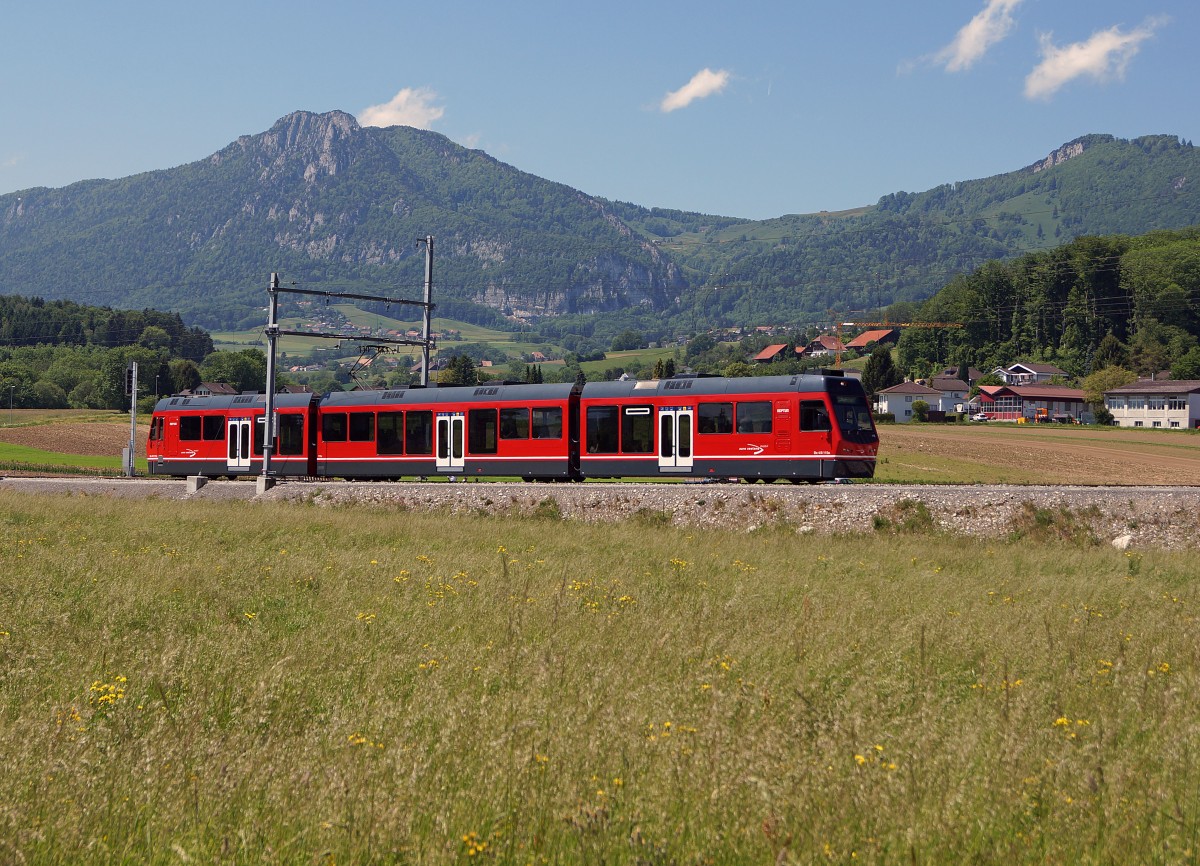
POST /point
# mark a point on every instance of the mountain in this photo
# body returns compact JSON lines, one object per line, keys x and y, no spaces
{"x":332,"y":205}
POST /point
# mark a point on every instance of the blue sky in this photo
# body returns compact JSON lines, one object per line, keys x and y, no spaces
{"x":741,"y":109}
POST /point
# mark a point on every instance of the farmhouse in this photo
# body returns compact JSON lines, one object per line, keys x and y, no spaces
{"x":1149,"y":403}
{"x":866,"y":339}
{"x":820,"y":347}
{"x":774,"y":352}
{"x":1029,"y":373}
{"x":898,"y":399}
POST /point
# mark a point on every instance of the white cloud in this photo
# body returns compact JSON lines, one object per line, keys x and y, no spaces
{"x":978,"y":35}
{"x":703,"y":84}
{"x":412,"y":106}
{"x":1103,"y":57}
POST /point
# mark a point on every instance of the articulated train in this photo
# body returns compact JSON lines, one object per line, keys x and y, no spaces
{"x":806,"y":428}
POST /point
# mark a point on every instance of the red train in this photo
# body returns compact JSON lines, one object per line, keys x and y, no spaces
{"x":802,"y":428}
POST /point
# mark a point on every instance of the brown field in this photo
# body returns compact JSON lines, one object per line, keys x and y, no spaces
{"x":914,"y":453}
{"x":1037,"y":454}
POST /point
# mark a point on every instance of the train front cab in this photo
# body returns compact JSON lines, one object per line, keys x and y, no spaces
{"x":223,"y":435}
{"x":756,"y":428}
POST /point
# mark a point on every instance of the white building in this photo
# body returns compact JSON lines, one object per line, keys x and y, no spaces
{"x":898,"y":400}
{"x":1029,"y":373}
{"x":1152,"y":403}
{"x":953,"y":393}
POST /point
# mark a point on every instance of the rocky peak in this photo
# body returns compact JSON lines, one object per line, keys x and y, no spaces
{"x":1058,"y":157}
{"x":303,"y":144}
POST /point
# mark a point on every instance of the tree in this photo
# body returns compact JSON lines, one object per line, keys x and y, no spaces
{"x":1187,"y":367}
{"x":1110,"y":353}
{"x":460,"y":371}
{"x":1096,"y":384}
{"x":243,"y":371}
{"x":920,"y":410}
{"x":183,"y":374}
{"x":627,"y":340}
{"x":880,"y":371}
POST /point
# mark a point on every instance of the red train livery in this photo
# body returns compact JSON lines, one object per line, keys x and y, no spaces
{"x":802,"y":428}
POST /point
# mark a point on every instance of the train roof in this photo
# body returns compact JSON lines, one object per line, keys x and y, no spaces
{"x":193,"y":403}
{"x":497,"y":392}
{"x":707,"y":386}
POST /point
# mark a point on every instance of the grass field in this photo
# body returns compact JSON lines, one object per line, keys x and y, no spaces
{"x":236,"y":682}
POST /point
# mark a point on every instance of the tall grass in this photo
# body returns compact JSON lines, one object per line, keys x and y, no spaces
{"x":239,"y":682}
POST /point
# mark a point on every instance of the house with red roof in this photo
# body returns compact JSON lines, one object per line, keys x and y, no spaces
{"x":866,"y":339}
{"x":820,"y":347}
{"x":774,"y":352}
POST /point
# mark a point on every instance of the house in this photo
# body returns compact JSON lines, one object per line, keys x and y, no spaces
{"x":1032,"y":402}
{"x":1154,"y":403}
{"x":898,"y":399}
{"x":210,"y":389}
{"x":954,"y":392}
{"x":821,"y":347}
{"x":866,"y":339}
{"x":1023,"y":373}
{"x":973,"y":375}
{"x":774,"y":352}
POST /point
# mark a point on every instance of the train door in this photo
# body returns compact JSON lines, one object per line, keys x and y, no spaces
{"x":449,"y":445}
{"x":675,"y":438}
{"x":238,"y":442}
{"x":781,"y":423}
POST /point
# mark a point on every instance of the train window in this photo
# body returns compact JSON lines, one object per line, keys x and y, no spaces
{"x":514,"y":423}
{"x":547,"y":423}
{"x":260,"y":426}
{"x":214,"y":428}
{"x":814,"y":415}
{"x":602,"y":427}
{"x":156,"y":429}
{"x":418,"y":432}
{"x":189,"y":428}
{"x":715,"y":417}
{"x":391,"y":433}
{"x":291,"y":433}
{"x":481,"y":431}
{"x":637,"y":430}
{"x":853,"y":417}
{"x":754,"y":417}
{"x":362,"y":426}
{"x":333,"y":427}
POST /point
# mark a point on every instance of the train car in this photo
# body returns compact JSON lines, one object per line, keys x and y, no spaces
{"x":802,"y":428}
{"x":223,"y":435}
{"x":492,"y":429}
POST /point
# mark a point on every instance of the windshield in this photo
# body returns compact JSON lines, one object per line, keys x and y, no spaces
{"x":854,"y":418}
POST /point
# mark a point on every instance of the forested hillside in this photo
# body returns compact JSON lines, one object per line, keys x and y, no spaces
{"x":1131,"y":302}
{"x":329,"y":204}
{"x":797,"y":268}
{"x":59,"y":354}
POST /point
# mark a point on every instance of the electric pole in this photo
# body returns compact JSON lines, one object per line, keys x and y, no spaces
{"x":428,"y":305}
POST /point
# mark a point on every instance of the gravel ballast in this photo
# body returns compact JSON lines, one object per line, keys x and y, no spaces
{"x":1133,"y":517}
